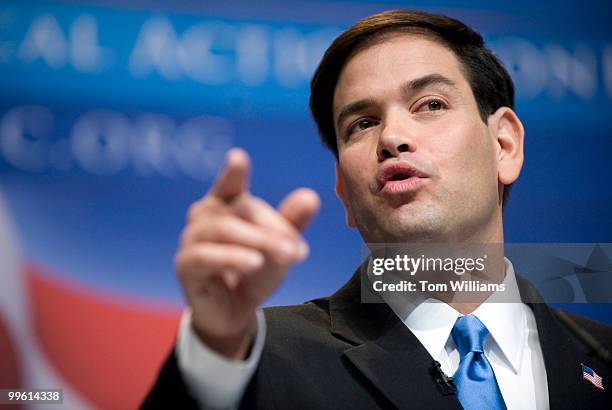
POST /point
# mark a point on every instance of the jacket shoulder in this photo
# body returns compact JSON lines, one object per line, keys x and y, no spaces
{"x":602,"y":332}
{"x":305,"y":318}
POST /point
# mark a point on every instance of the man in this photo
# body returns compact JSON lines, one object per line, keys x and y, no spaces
{"x":419,"y":115}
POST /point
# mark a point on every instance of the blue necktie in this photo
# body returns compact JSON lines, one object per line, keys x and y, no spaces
{"x":477,"y":387}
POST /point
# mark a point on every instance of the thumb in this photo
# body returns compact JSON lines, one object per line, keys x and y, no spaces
{"x":300,"y":206}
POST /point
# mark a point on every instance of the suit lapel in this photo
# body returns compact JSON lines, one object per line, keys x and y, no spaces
{"x":384,"y":351}
{"x":396,"y":364}
{"x":563,"y":354}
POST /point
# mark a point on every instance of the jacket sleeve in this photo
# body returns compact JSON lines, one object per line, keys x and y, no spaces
{"x":170,"y":390}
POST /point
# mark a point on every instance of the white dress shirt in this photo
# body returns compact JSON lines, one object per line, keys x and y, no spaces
{"x":215,"y":381}
{"x":512,"y":347}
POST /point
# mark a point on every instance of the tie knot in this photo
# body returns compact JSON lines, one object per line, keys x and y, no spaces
{"x":468,"y":334}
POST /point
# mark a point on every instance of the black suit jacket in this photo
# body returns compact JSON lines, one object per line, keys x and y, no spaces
{"x":335,"y":353}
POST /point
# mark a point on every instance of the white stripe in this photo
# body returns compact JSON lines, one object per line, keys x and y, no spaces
{"x":14,"y":305}
{"x":596,"y":380}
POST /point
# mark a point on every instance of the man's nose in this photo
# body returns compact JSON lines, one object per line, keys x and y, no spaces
{"x":395,"y":137}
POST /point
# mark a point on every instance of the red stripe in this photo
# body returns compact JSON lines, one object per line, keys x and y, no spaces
{"x":596,"y":380}
{"x":108,"y":349}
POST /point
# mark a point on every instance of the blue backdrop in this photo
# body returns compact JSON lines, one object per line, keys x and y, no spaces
{"x":115,"y":116}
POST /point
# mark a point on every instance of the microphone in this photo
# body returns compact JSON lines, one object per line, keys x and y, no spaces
{"x":445,"y":383}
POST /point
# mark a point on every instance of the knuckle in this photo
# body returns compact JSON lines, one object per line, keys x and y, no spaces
{"x":209,"y":208}
{"x":259,"y":202}
{"x":228,"y":259}
{"x":201,"y":257}
{"x":191,"y":234}
{"x":241,"y":203}
{"x":177,"y":262}
{"x":191,"y":259}
{"x":224,"y":228}
{"x":200,"y":207}
{"x":289,"y":235}
{"x":193,"y":211}
{"x":206,"y":229}
{"x":185,"y":236}
{"x":212,"y":230}
{"x":179,"y":266}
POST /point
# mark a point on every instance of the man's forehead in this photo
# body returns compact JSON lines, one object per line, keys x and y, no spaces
{"x":395,"y":60}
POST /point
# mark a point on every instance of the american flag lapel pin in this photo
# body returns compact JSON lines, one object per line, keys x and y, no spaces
{"x":590,"y":375}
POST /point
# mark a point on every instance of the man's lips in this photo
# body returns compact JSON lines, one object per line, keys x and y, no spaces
{"x":399,"y":177}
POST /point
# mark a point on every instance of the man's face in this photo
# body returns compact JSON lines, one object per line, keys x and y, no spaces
{"x":416,"y":162}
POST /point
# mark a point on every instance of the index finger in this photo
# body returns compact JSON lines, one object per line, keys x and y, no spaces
{"x":233,"y":179}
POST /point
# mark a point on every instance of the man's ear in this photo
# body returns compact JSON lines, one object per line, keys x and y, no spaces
{"x":340,"y":191}
{"x":508,"y":135}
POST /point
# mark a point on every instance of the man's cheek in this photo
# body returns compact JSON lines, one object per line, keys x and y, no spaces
{"x":354,"y":182}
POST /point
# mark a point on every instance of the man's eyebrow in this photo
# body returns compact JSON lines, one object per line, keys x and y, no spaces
{"x":409,"y":88}
{"x":418,"y":84}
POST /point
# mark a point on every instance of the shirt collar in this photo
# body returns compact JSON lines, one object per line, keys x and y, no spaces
{"x":506,"y":322}
{"x":431,"y":320}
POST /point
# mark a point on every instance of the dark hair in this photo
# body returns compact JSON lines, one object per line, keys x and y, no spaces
{"x":489,"y":80}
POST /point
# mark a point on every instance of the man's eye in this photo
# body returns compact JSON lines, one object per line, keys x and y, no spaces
{"x":361,"y":125}
{"x":433,"y":105}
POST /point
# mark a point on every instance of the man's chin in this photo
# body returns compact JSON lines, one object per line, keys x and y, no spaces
{"x":423,"y":231}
